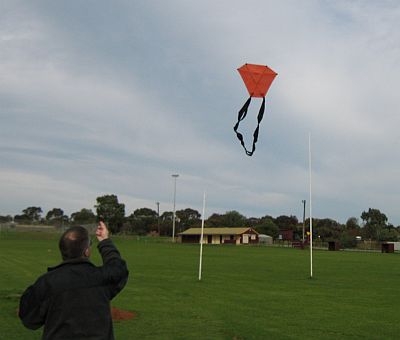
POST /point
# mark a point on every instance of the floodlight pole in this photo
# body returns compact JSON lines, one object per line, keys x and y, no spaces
{"x":175,"y":176}
{"x":311,"y":226}
{"x":202,"y":235}
{"x":304,"y":216}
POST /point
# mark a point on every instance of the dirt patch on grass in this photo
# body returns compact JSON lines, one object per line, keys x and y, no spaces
{"x":121,"y":315}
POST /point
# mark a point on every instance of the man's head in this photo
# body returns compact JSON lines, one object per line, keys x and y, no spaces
{"x":75,"y":243}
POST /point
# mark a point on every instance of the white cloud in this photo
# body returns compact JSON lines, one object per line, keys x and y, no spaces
{"x":23,"y":189}
{"x":116,"y":103}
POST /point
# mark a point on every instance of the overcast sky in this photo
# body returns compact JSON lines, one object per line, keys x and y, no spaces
{"x":113,"y":97}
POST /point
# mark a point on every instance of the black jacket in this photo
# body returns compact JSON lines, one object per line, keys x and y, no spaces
{"x":72,"y":300}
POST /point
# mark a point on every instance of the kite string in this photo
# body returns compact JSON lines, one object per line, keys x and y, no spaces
{"x":241,"y":115}
{"x":255,"y":134}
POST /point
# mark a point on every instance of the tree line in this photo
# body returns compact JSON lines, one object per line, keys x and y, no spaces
{"x":143,"y":221}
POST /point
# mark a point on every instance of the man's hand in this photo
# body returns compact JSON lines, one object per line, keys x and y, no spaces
{"x":101,"y":231}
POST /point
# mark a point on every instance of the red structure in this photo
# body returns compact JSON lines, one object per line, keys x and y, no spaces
{"x":333,"y":245}
{"x":286,"y":234}
{"x":387,"y":248}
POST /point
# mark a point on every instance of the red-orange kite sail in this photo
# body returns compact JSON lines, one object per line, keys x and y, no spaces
{"x":258,"y":79}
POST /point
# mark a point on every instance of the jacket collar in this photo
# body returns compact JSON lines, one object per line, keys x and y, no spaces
{"x":71,"y":261}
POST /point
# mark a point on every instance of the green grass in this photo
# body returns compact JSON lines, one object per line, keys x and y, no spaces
{"x":246,"y":292}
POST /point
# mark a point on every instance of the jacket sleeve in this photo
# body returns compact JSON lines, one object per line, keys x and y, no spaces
{"x":33,"y":305}
{"x":114,"y":269}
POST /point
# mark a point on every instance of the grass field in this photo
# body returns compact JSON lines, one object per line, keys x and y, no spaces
{"x":247,"y":292}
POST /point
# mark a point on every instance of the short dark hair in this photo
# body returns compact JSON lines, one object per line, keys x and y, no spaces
{"x":73,"y":243}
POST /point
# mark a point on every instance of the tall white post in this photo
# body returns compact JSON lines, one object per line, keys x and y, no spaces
{"x":175,"y":176}
{"x":202,"y":234}
{"x":311,"y":226}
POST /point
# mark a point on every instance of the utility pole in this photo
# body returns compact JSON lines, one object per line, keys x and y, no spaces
{"x":304,"y":216}
{"x":175,"y":176}
{"x":158,"y":217}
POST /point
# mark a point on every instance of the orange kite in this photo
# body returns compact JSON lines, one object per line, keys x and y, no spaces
{"x":258,"y":79}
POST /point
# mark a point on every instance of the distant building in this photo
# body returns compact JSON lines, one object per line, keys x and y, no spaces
{"x":220,"y":236}
{"x":396,"y":245}
{"x":265,"y":239}
{"x":286,"y":235}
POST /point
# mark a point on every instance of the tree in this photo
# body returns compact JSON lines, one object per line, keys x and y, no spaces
{"x":327,"y":229}
{"x":144,"y":220}
{"x":374,"y":217}
{"x":229,"y":219}
{"x":374,"y":222}
{"x":33,"y":214}
{"x":134,"y":225}
{"x":352,"y":224}
{"x":215,"y":220}
{"x":347,"y":240}
{"x":22,"y":219}
{"x":145,"y":212}
{"x":167,"y":216}
{"x":56,"y":216}
{"x":267,"y":227}
{"x":286,"y":222}
{"x":166,"y":223}
{"x":349,"y":233}
{"x":111,"y":211}
{"x":234,"y":219}
{"x":253,"y":221}
{"x":6,"y":219}
{"x":389,"y":234}
{"x":55,"y":213}
{"x":84,"y":216}
{"x":141,"y":222}
{"x":187,"y":218}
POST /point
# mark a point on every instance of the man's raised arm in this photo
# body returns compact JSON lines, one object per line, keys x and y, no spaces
{"x":115,"y":270}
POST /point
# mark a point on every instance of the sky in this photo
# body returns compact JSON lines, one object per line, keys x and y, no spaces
{"x":113,"y":97}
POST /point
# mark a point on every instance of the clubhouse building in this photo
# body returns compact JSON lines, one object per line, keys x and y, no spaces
{"x":220,"y":236}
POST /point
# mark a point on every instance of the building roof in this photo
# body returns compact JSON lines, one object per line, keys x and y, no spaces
{"x":264,"y":236}
{"x":218,"y":231}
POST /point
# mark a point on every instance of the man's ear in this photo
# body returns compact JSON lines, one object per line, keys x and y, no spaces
{"x":87,"y":252}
